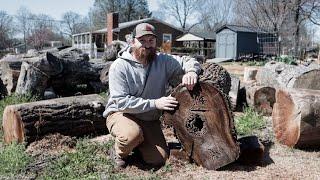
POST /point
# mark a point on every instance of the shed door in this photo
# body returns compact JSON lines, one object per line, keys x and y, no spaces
{"x":226,"y":44}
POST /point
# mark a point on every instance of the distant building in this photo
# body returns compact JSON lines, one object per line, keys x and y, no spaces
{"x":203,"y":43}
{"x":95,"y":42}
{"x":234,"y":41}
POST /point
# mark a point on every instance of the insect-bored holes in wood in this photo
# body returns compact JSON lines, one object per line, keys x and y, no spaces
{"x":196,"y":125}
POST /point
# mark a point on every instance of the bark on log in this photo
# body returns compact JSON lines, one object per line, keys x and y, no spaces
{"x":74,"y":116}
{"x":204,"y":125}
{"x":280,"y":75}
{"x":216,"y":75}
{"x":296,"y":117}
{"x":249,"y":75}
{"x":261,"y":98}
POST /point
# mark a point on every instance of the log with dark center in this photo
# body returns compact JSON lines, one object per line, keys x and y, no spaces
{"x":296,"y":117}
{"x":204,"y":125}
{"x":261,"y":98}
{"x":74,"y":116}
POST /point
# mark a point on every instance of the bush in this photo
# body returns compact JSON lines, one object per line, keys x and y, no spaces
{"x":286,"y":59}
{"x":249,"y":122}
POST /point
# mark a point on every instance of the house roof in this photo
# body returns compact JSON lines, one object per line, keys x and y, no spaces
{"x":191,"y":36}
{"x":237,"y":28}
{"x":133,"y":23}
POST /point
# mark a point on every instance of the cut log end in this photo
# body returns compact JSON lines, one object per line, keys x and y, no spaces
{"x":12,"y":125}
{"x":204,"y":126}
{"x":285,"y":125}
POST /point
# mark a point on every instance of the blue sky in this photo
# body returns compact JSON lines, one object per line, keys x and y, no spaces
{"x":55,"y":8}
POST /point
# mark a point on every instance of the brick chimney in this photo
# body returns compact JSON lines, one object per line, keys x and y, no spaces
{"x":112,"y":22}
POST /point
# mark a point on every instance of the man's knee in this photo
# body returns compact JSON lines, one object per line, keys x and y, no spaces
{"x":132,"y":136}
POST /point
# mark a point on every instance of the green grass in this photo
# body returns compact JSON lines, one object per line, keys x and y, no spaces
{"x":249,"y":122}
{"x":13,"y":159}
{"x":89,"y":161}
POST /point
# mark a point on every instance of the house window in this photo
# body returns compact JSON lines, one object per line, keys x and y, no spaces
{"x":167,"y":38}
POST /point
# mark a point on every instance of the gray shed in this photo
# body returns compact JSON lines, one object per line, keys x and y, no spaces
{"x":234,"y":41}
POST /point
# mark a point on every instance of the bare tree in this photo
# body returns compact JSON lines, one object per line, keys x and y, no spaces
{"x":6,"y":30}
{"x":23,"y":17}
{"x":214,"y":13}
{"x":74,"y":23}
{"x":42,"y":30}
{"x":183,"y":11}
{"x":128,"y":10}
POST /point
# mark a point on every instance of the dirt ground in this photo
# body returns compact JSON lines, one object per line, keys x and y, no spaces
{"x":279,"y":162}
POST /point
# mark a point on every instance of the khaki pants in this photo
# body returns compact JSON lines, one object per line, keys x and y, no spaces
{"x":130,"y":133}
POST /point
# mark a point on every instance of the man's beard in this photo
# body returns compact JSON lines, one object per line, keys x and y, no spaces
{"x":145,"y":55}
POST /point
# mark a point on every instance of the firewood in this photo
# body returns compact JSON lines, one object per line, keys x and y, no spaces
{"x":74,"y":116}
{"x":296,"y":117}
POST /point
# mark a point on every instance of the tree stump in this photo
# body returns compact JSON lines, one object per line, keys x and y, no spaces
{"x":74,"y":116}
{"x":204,"y":125}
{"x":261,"y":98}
{"x":296,"y":117}
{"x":249,"y":74}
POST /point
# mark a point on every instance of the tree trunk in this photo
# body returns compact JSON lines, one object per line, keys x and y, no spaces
{"x":261,"y":98}
{"x":296,"y":117}
{"x":74,"y":116}
{"x":204,"y":125}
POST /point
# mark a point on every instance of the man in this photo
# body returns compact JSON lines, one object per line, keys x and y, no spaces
{"x":137,"y":82}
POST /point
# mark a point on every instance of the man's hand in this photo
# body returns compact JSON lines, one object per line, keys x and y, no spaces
{"x":190,"y":80}
{"x":166,"y":103}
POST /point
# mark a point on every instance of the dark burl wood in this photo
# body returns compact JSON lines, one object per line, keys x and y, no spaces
{"x":204,"y":125}
{"x":74,"y":116}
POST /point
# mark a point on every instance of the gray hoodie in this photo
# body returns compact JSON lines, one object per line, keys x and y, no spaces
{"x":134,"y":88}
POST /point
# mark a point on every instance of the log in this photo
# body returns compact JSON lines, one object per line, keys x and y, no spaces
{"x":204,"y":125}
{"x":217,"y":76}
{"x":73,"y":116}
{"x":249,"y":74}
{"x":296,"y":117}
{"x":280,"y":75}
{"x":251,"y":150}
{"x":261,"y":98}
{"x":234,"y":91}
{"x":67,"y":72}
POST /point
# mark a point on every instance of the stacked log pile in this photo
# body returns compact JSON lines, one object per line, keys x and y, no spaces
{"x":290,"y":94}
{"x":65,"y":73}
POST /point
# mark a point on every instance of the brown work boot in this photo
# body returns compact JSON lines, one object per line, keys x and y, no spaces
{"x":119,"y":163}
